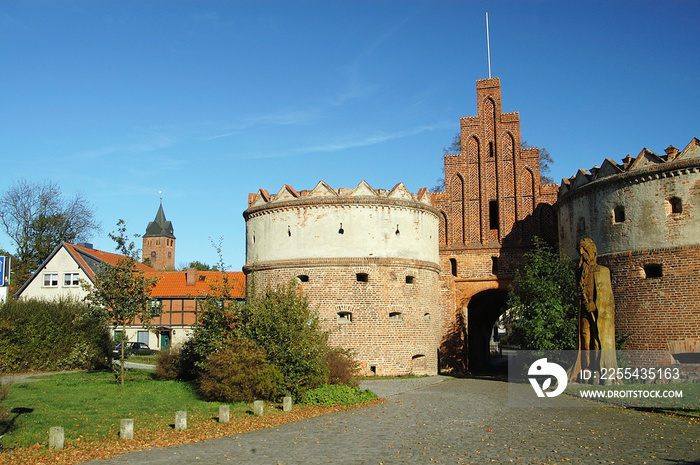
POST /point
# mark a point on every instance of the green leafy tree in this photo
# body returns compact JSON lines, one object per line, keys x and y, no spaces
{"x":216,"y":321}
{"x":37,"y":217}
{"x":542,"y":302}
{"x":123,"y":290}
{"x":281,"y":321}
{"x":201,"y":266}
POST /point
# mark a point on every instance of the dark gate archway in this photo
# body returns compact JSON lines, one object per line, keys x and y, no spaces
{"x":483,"y":312}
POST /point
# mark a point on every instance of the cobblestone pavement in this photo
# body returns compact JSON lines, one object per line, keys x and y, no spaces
{"x":454,"y":421}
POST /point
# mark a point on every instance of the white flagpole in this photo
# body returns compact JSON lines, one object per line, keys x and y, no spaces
{"x":488,"y":43}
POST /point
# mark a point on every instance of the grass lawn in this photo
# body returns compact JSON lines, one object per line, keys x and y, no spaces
{"x":145,"y":359}
{"x":89,"y":406}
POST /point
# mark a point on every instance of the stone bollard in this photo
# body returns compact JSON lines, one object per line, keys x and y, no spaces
{"x":180,"y":420}
{"x":56,"y":437}
{"x":287,"y":404}
{"x":126,"y":428}
{"x":258,"y":407}
{"x":224,"y":413}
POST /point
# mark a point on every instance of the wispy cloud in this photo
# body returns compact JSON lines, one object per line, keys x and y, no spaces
{"x":356,"y":85}
{"x":266,"y":121}
{"x":148,"y":144}
{"x":365,"y":141}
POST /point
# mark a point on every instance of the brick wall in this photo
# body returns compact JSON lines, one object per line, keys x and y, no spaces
{"x":160,"y":251}
{"x":659,"y":313}
{"x":391,"y":321}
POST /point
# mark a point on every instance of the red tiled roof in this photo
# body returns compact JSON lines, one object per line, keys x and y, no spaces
{"x":170,"y":283}
{"x":174,"y":283}
{"x":99,"y":255}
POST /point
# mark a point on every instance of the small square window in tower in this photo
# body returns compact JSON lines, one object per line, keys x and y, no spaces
{"x":362,"y":277}
{"x":653,"y":270}
{"x":676,"y":205}
{"x":619,"y":214}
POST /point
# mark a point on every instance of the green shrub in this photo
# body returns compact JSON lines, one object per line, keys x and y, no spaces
{"x":168,"y":366}
{"x":542,"y":302}
{"x":336,"y":394}
{"x":215,"y":326}
{"x":280,"y":321}
{"x":342,"y":367}
{"x":39,"y":335}
{"x":239,"y":372}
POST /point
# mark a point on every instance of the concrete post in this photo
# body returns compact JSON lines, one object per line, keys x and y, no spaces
{"x":224,"y":411}
{"x":56,"y":437}
{"x":287,"y":404}
{"x":258,"y":407}
{"x":180,"y":420}
{"x":126,"y":428}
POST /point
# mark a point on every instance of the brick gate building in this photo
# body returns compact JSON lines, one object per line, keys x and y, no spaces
{"x":492,"y":206}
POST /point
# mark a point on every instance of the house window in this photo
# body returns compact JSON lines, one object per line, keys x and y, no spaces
{"x":142,"y":337}
{"x":71,"y":279}
{"x":494,"y":265}
{"x":362,"y":277}
{"x":426,"y":317}
{"x":156,"y":307}
{"x":619,"y":214}
{"x":410,"y":279}
{"x":493,"y":214}
{"x":50,"y":279}
{"x":343,"y":317}
{"x":653,"y":270}
{"x":453,"y":266}
{"x":395,"y":316}
{"x":303,"y":278}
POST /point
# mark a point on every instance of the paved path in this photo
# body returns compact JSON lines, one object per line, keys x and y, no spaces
{"x":450,"y":422}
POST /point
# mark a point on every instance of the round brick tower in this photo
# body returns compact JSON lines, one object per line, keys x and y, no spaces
{"x":643,"y":216}
{"x":367,"y":259}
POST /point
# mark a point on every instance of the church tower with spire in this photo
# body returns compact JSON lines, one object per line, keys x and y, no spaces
{"x":159,"y":242}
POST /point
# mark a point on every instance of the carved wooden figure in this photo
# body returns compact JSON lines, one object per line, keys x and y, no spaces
{"x":596,"y":348}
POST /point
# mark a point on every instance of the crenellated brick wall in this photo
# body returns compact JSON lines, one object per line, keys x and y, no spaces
{"x":366,"y":258}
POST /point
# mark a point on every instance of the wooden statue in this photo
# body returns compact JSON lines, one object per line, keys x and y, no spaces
{"x":596,"y":317}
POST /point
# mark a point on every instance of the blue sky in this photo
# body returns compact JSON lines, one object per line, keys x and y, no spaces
{"x":208,"y":101}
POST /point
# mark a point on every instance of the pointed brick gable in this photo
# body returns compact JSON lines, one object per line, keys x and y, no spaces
{"x":646,"y":158}
{"x":363,"y":189}
{"x":287,"y":192}
{"x":323,"y":190}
